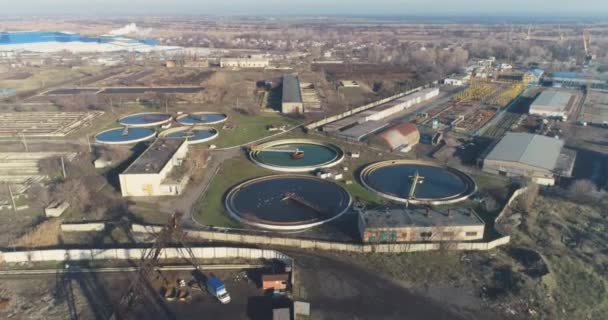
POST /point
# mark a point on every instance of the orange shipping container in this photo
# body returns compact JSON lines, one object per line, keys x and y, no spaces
{"x":275,"y":281}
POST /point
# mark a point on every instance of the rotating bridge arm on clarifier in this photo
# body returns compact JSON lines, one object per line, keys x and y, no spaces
{"x":282,"y":150}
{"x":416,"y":180}
{"x":302,"y":201}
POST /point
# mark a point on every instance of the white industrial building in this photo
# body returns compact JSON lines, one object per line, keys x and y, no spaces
{"x":401,"y":104}
{"x":362,"y":124}
{"x":244,"y":63}
{"x":551,"y":104}
{"x":153,"y":174}
{"x":453,"y":82}
{"x":538,"y":157}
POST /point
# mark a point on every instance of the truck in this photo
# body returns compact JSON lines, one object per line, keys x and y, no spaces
{"x":216,"y":288}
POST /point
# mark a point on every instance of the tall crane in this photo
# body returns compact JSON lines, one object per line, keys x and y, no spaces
{"x":587,"y":44}
{"x":139,"y":286}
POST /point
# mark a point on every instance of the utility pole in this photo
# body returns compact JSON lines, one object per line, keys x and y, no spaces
{"x":63,"y":167}
{"x":89,"y":144}
{"x":24,"y":142}
{"x":10,"y":192}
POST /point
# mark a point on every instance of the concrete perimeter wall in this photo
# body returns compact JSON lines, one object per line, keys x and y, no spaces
{"x":83,"y":227}
{"x":506,"y":208}
{"x":136,"y":253}
{"x":316,"y":124}
{"x":330,"y":246}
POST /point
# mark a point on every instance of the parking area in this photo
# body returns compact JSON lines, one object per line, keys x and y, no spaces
{"x":92,"y":295}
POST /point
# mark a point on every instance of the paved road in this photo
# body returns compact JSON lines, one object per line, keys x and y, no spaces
{"x":186,"y":202}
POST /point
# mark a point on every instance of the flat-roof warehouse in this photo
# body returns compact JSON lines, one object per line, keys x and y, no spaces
{"x":292,"y":95}
{"x":530,"y":155}
{"x":552,"y":104}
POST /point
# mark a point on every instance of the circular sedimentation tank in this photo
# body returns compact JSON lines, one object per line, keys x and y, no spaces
{"x":206,"y":118}
{"x":193,"y":134}
{"x":417,"y":182}
{"x":296,"y":155}
{"x":287,"y":202}
{"x":144,"y":120}
{"x":125,"y":135}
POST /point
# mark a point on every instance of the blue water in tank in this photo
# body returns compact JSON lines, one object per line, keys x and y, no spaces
{"x":193,"y":135}
{"x":122,"y":135}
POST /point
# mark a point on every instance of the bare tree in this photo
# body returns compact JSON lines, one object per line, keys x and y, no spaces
{"x":80,"y":166}
{"x":39,"y":195}
{"x":50,"y":167}
{"x":490,"y":204}
{"x":73,"y":191}
{"x":581,"y":190}
{"x":70,"y":103}
{"x":195,"y":163}
{"x":114,"y":154}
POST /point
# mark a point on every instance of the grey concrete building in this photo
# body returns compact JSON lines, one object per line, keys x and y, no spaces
{"x":401,"y":224}
{"x":153,"y":173}
{"x":292,"y":95}
{"x":538,"y":157}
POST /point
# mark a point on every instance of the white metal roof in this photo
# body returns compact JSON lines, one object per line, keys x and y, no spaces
{"x":530,"y":149}
{"x":552,"y":100}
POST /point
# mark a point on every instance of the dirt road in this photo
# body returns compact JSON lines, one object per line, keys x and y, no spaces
{"x":339,"y":290}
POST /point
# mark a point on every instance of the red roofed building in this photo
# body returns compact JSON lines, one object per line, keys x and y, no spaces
{"x":401,"y":137}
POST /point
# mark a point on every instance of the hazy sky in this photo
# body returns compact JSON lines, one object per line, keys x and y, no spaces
{"x":305,"y":7}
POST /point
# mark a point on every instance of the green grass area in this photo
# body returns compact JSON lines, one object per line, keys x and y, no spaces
{"x":20,"y":201}
{"x":486,"y":182}
{"x":148,"y":213}
{"x":72,"y":214}
{"x":249,"y":128}
{"x":44,"y":77}
{"x":209,"y":209}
